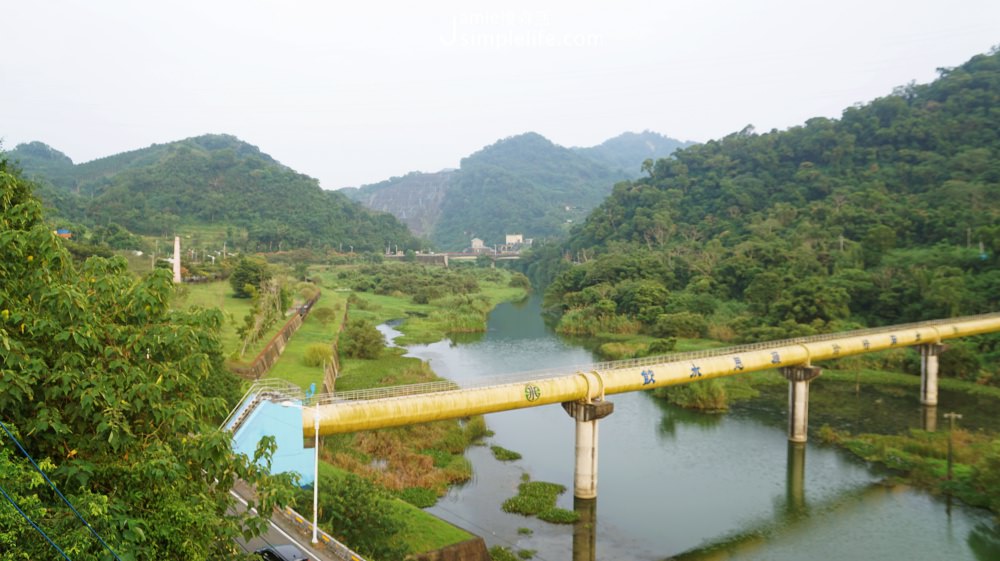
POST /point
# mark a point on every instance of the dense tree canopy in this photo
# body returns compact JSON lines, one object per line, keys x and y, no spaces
{"x":889,"y":214}
{"x":119,"y":399}
{"x":211,"y":179}
{"x":524,"y":184}
{"x":627,"y":151}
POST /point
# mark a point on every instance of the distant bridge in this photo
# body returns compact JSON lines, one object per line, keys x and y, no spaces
{"x":445,"y":258}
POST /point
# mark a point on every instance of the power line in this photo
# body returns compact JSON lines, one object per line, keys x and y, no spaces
{"x":32,"y":522}
{"x":61,"y":496}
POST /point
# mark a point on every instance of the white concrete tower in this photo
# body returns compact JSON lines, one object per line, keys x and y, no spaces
{"x":177,"y":259}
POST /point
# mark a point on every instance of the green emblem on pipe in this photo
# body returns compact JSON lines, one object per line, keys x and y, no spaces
{"x":532,"y":393}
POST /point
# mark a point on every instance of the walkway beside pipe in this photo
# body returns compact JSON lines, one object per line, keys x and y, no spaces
{"x":582,"y":389}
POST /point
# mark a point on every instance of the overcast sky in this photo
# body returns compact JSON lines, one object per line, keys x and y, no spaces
{"x":356,"y":92}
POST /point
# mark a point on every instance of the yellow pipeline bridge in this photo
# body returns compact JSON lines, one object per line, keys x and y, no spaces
{"x":420,"y":403}
{"x":582,"y":390}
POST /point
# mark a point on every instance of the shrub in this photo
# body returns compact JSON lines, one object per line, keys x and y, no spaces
{"x":960,"y":361}
{"x":249,"y":272}
{"x":420,"y":497}
{"x":680,"y":324}
{"x":518,"y":280}
{"x":324,"y":314}
{"x":317,"y":354}
{"x":362,"y":340}
{"x":661,"y":347}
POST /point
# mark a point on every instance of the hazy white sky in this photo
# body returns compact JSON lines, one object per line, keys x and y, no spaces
{"x":356,"y":92}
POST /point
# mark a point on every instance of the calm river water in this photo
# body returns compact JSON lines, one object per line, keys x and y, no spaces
{"x":675,"y":484}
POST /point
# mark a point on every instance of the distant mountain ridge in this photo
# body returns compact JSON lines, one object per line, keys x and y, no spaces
{"x":627,"y":151}
{"x":211,"y":179}
{"x":523,"y":184}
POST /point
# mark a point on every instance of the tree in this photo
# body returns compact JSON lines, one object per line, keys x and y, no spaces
{"x":362,"y":340}
{"x":324,"y":314}
{"x":248,"y":275}
{"x":360,"y":514}
{"x":119,"y":400}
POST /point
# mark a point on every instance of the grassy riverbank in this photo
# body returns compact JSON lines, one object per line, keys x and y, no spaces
{"x":431,"y":302}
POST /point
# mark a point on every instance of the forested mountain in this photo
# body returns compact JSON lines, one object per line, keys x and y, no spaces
{"x":523,"y":184}
{"x":626,"y":152}
{"x":888,"y":214}
{"x":214,"y":179}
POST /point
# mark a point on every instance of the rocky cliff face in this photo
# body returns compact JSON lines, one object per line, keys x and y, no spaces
{"x":415,"y":199}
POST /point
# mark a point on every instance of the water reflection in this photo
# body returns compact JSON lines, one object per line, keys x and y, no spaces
{"x":984,"y":542}
{"x":795,"y":488}
{"x":585,"y":530}
{"x":928,"y":418}
{"x":673,"y":418}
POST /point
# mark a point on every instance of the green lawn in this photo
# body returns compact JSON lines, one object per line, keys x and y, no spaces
{"x":390,"y":369}
{"x":290,"y":365}
{"x":219,"y":295}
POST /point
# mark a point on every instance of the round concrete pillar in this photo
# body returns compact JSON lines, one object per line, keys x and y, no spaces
{"x":929,"y":373}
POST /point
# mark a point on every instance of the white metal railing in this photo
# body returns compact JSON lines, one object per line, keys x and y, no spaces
{"x":271,"y":388}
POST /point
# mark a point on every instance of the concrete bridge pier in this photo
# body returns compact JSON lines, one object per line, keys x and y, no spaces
{"x":586,"y":416}
{"x":929,"y":373}
{"x":798,"y":378}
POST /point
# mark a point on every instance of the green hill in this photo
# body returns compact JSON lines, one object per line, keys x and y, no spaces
{"x":211,"y":179}
{"x":524,"y":184}
{"x":875,"y":217}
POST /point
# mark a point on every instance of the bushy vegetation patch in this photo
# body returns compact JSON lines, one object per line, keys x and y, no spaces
{"x":503,"y":454}
{"x":538,"y":498}
{"x":420,"y":497}
{"x":317,"y":354}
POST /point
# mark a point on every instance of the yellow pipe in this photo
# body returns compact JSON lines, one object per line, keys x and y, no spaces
{"x":353,"y":416}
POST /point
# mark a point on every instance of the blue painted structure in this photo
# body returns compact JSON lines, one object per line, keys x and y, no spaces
{"x":284,"y":423}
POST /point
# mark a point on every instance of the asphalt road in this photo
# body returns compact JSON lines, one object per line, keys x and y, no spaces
{"x":279,"y":533}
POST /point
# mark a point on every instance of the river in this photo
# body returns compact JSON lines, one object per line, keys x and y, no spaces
{"x":677,"y":484}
